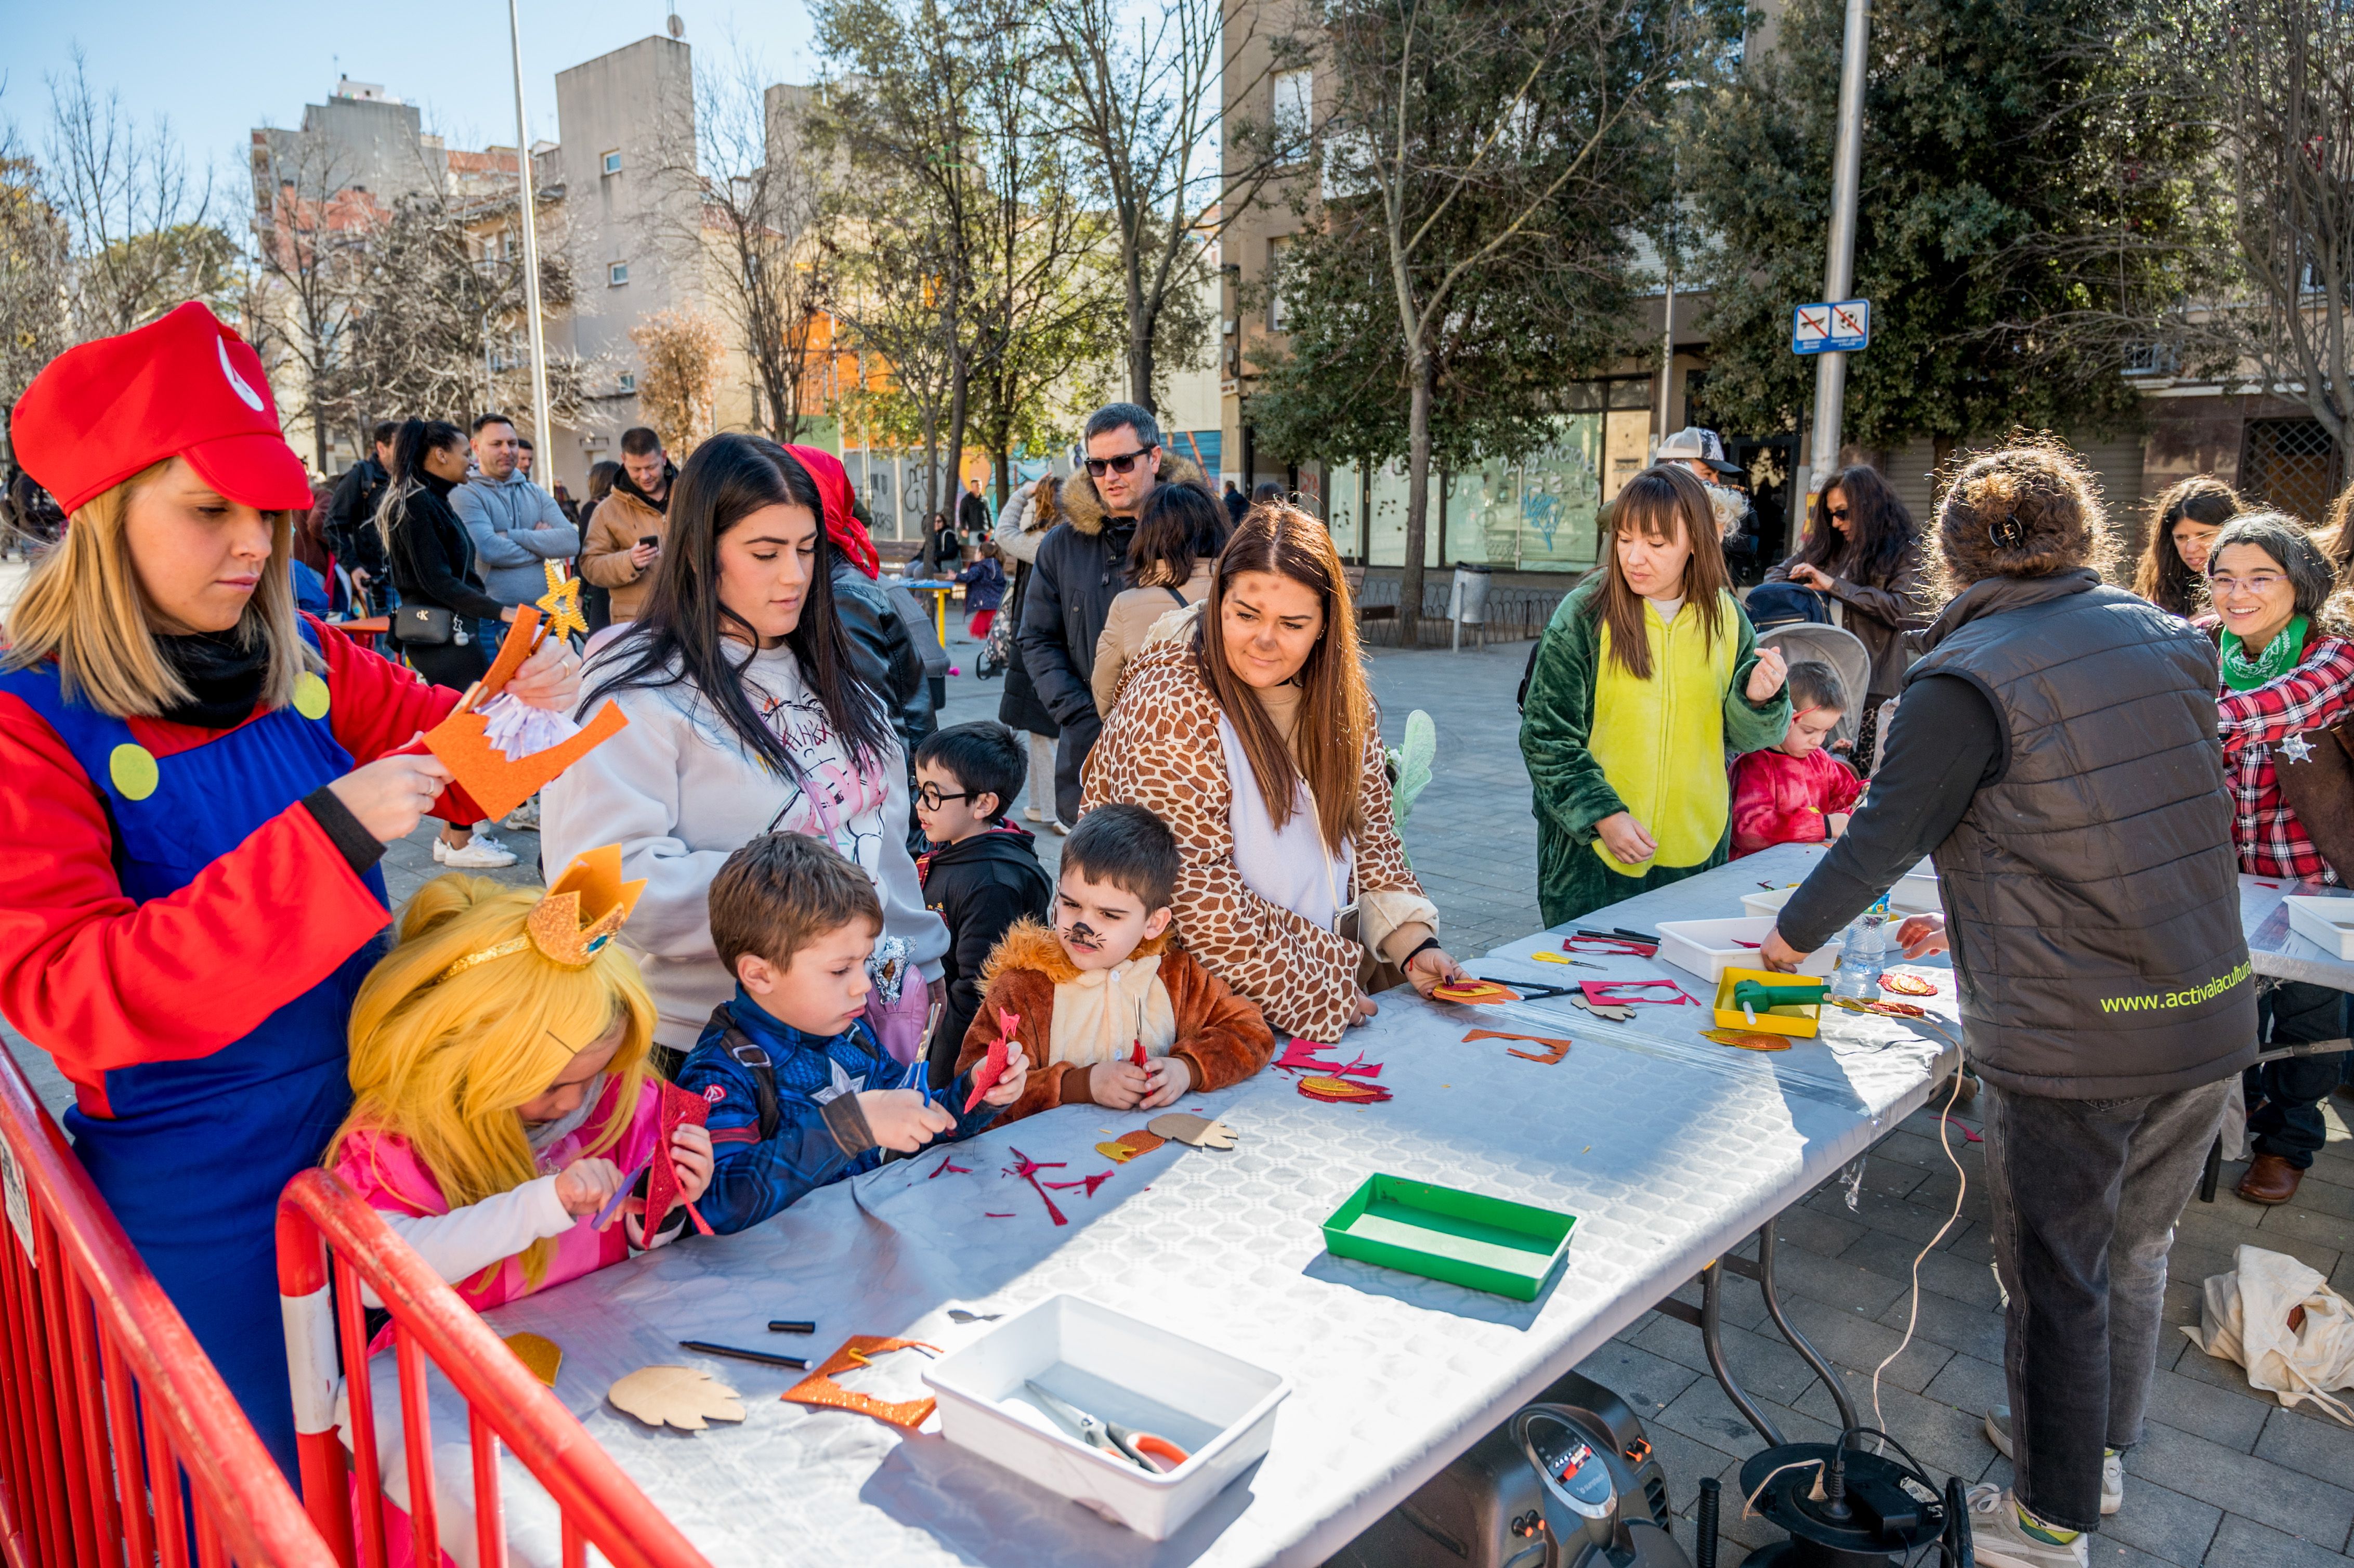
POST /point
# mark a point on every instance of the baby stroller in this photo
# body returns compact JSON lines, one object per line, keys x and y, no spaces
{"x":1796,"y":621}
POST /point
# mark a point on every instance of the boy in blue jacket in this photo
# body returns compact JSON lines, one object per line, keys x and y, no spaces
{"x":800,"y":1092}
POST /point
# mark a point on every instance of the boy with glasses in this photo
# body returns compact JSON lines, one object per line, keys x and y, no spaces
{"x":982,"y":873}
{"x":1082,"y":565}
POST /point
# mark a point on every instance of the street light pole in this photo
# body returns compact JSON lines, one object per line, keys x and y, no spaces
{"x":1838,"y":266}
{"x":527,"y":199}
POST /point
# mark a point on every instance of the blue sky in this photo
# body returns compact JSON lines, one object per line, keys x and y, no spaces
{"x":218,"y":67}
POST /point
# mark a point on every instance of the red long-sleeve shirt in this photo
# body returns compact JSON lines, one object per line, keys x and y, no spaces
{"x":101,"y":981}
{"x":1778,"y":799}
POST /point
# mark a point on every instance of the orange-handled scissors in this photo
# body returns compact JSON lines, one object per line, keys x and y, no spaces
{"x":1144,"y":1449}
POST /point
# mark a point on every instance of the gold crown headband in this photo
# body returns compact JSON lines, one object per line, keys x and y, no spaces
{"x":582,"y":911}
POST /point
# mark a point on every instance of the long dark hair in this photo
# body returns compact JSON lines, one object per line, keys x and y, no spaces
{"x":1181,"y":524}
{"x":1659,"y":502}
{"x":1883,"y":530}
{"x":415,"y":440}
{"x":2164,"y":577}
{"x":681,"y":637}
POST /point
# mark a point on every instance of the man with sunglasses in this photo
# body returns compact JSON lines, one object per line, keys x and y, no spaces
{"x":1082,"y":565}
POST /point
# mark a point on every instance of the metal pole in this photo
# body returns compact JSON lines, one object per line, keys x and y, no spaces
{"x":1831,"y":367}
{"x":526,"y":189}
{"x":1667,"y":360}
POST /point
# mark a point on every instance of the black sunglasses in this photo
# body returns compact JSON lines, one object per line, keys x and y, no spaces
{"x":1121,"y":464}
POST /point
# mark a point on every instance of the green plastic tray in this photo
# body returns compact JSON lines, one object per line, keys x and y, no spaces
{"x":1443,"y":1232}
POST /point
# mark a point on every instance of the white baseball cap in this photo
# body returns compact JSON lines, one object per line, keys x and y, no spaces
{"x":1693,"y":444}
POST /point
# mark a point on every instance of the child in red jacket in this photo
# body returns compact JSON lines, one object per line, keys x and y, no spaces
{"x":1797,"y":793}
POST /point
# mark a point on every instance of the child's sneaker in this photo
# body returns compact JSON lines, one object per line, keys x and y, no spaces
{"x":2113,"y":1463}
{"x":2000,"y":1536}
{"x":479,"y":852}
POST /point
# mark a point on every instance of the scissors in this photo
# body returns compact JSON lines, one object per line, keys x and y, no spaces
{"x":1530,"y":991}
{"x":1154,"y":1455}
{"x":1610,"y":944}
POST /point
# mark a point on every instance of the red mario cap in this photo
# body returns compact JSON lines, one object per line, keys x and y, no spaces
{"x":182,"y":387}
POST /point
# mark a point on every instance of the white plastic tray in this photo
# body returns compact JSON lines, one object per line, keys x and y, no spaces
{"x":1220,"y":1410}
{"x":1768,"y":904}
{"x":1708,"y":948}
{"x":1916,"y":891}
{"x":2327,"y":923}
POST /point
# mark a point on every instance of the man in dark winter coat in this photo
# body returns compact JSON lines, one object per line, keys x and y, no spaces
{"x":351,"y":515}
{"x":1081,"y":567}
{"x":980,"y":872}
{"x":2056,"y":751}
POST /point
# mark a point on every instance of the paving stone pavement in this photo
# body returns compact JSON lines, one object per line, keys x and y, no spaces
{"x":2226,"y":1476}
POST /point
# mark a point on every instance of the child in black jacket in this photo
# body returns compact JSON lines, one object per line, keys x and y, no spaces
{"x":983,"y":871}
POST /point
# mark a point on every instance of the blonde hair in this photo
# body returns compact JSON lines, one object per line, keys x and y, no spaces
{"x":85,"y":607}
{"x":445,"y":1065}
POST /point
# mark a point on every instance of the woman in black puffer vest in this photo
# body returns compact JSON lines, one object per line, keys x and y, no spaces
{"x":2055,"y":750}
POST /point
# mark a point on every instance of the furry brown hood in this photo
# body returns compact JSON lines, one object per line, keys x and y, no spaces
{"x":1084,"y":509}
{"x":1027,"y":945}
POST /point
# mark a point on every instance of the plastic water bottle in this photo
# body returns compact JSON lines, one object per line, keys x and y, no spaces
{"x":1863,"y":954}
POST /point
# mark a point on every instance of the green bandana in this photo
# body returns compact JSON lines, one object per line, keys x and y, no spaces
{"x":2242,"y":674}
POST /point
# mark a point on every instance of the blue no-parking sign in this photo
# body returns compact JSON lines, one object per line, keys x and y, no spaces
{"x":1842,"y":325}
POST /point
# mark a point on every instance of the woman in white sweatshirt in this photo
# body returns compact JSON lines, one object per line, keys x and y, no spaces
{"x":745,"y":716}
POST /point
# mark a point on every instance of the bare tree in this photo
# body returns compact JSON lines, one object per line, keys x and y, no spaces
{"x":142,"y":231}
{"x":312,"y":237}
{"x":1157,"y":87}
{"x":1466,"y":141}
{"x":2276,"y":79}
{"x":899,"y":125}
{"x":680,"y":351}
{"x":753,"y":234}
{"x":34,"y":325}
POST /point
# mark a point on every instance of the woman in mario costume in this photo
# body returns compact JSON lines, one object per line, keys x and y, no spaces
{"x":200,"y":783}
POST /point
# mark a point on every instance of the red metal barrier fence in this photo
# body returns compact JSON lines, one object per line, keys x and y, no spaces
{"x":601,"y":1506}
{"x":106,"y":1402}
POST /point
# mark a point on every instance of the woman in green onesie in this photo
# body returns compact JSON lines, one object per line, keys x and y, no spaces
{"x":1647,"y":675}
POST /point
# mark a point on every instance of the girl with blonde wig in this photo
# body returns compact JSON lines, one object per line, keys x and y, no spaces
{"x":501,"y":1096}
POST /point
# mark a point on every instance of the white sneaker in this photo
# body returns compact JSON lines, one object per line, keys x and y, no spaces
{"x":2113,"y":1466}
{"x":2000,"y":1541}
{"x":481,"y":852}
{"x":1031,"y":813}
{"x":1060,"y":831}
{"x":523,"y":819}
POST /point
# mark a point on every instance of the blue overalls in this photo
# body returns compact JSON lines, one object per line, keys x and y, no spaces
{"x":197,"y":1150}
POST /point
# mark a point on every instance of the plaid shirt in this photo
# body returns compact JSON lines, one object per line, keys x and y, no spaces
{"x":2314,"y":697}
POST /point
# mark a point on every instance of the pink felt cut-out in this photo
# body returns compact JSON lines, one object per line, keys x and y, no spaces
{"x":1604,"y":994}
{"x":1028,"y":1169}
{"x":1301,"y":1056}
{"x":947,"y":1164}
{"x":1090,"y":1182}
{"x":679,"y":1108}
{"x":986,"y":1073}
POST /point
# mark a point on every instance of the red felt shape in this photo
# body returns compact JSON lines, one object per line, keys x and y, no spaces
{"x":1342,"y":1091}
{"x":1604,"y":994}
{"x":1610,"y":947}
{"x":1301,"y":1056}
{"x":1027,"y":1169}
{"x":986,"y":1073}
{"x":679,"y":1108}
{"x":947,"y":1164}
{"x":1090,"y":1182}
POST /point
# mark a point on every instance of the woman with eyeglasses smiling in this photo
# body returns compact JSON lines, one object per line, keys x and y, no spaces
{"x":2288,"y":682}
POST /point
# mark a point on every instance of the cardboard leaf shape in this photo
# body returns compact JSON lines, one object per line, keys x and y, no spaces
{"x":858,"y":1351}
{"x":498,"y":783}
{"x":679,"y":1108}
{"x":1199,"y":1131}
{"x":542,"y":1356}
{"x":676,"y":1396}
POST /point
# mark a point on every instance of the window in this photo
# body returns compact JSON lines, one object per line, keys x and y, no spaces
{"x":1294,"y":100}
{"x":1279,"y":251}
{"x":616,"y":274}
{"x":2291,"y":464}
{"x":612,"y":161}
{"x":629,"y":381}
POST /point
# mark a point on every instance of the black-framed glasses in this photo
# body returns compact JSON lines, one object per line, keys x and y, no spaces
{"x":933,"y":799}
{"x":1099,"y":467}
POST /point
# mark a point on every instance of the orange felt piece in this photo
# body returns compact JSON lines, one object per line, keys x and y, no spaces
{"x":1748,"y":1040}
{"x":499,"y":785}
{"x":1130,"y":1145}
{"x":819,"y":1387}
{"x":1555,"y":1049}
